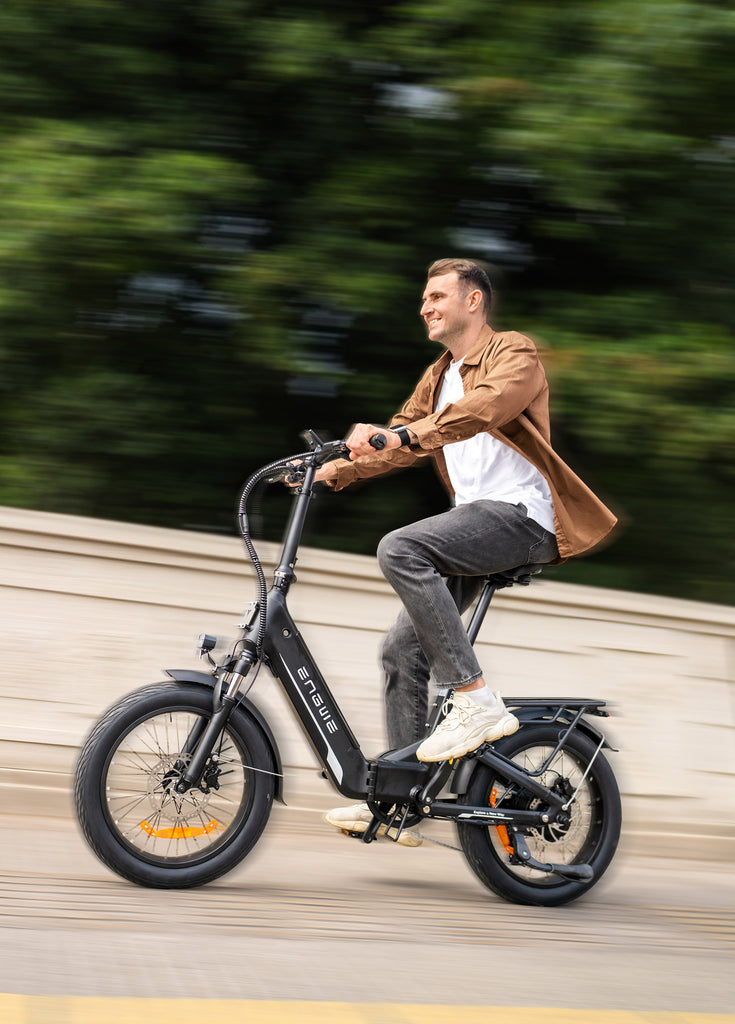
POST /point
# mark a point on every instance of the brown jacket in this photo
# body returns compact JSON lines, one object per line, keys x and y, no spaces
{"x":506,"y":394}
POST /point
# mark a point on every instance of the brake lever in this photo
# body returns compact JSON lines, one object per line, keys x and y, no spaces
{"x":294,"y":474}
{"x":291,"y":474}
{"x":330,"y":451}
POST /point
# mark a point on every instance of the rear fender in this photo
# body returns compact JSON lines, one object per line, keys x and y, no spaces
{"x":529,"y":715}
{"x":208,"y":680}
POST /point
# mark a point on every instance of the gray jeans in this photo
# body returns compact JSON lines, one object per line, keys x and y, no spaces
{"x":436,"y":568}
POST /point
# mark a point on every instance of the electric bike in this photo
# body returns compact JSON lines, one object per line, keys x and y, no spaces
{"x":175,"y":782}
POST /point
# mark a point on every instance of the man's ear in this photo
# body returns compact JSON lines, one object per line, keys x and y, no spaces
{"x":474,"y":300}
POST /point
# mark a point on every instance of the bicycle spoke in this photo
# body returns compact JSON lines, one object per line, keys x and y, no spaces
{"x":141,"y":797}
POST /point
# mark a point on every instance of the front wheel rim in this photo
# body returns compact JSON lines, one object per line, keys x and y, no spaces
{"x":142,"y":807}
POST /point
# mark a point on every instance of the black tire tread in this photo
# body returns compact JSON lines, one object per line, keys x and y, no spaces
{"x":485,"y":863}
{"x":92,"y":820}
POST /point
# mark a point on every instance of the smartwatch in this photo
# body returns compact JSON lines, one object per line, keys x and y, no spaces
{"x":403,"y":435}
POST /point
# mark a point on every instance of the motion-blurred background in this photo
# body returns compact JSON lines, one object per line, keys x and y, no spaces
{"x":216,"y":215}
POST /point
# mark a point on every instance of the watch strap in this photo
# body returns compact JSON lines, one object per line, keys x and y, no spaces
{"x":403,"y":435}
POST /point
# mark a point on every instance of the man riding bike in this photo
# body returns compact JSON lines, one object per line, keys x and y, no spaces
{"x":481,"y":413}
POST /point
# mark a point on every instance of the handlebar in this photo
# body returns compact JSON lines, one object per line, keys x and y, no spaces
{"x":294,"y":470}
{"x":330,"y":450}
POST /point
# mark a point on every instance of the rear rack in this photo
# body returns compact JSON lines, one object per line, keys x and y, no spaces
{"x":586,"y":706}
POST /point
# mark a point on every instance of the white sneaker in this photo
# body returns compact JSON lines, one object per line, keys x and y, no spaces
{"x":358,"y":817}
{"x":466,"y":727}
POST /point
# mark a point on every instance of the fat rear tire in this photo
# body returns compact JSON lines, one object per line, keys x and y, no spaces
{"x":591,"y":838}
{"x":129,"y":811}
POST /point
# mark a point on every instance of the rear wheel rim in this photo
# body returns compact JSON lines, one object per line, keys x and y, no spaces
{"x":557,"y":844}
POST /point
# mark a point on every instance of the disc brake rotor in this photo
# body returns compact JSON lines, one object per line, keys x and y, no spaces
{"x":166,"y":804}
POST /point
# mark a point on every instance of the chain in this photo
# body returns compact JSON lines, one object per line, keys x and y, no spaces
{"x":437,"y":842}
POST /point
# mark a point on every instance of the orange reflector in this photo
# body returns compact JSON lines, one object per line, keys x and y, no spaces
{"x":502,"y":830}
{"x":180,"y":832}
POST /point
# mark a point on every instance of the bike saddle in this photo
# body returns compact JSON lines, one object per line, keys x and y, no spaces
{"x":507,"y":577}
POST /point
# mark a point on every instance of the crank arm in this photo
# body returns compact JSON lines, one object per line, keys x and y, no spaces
{"x":434,"y":785}
{"x":572,"y":872}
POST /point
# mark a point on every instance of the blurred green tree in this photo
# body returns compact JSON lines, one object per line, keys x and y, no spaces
{"x":216,"y":215}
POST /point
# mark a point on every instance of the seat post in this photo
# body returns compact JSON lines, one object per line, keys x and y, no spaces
{"x":481,"y":608}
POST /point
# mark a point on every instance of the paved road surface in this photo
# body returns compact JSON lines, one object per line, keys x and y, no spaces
{"x":318,"y":918}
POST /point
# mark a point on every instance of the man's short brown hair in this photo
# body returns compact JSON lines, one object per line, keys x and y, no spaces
{"x":473,"y":274}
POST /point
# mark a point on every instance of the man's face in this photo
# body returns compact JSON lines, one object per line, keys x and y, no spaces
{"x":444,"y":307}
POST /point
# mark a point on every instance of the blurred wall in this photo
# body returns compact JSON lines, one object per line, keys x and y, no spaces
{"x":91,"y":609}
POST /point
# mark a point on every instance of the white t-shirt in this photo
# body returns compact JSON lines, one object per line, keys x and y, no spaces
{"x":483,"y":468}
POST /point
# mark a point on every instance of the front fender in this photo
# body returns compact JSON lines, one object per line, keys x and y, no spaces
{"x":187,"y":675}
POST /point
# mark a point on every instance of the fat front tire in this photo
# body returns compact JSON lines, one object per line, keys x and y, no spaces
{"x":127,"y":805}
{"x":590,"y":838}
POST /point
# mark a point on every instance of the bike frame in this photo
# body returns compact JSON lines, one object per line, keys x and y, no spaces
{"x":396,"y":777}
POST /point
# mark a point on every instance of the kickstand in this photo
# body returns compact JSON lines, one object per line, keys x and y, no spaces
{"x":371,"y":832}
{"x":572,"y":872}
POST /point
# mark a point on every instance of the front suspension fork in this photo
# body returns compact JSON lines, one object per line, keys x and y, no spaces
{"x":203,"y":749}
{"x":201,"y":746}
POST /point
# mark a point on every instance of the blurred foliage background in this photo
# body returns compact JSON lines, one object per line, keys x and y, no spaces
{"x":215,"y":218}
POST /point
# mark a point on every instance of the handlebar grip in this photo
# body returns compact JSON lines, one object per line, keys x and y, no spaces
{"x":378,"y":441}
